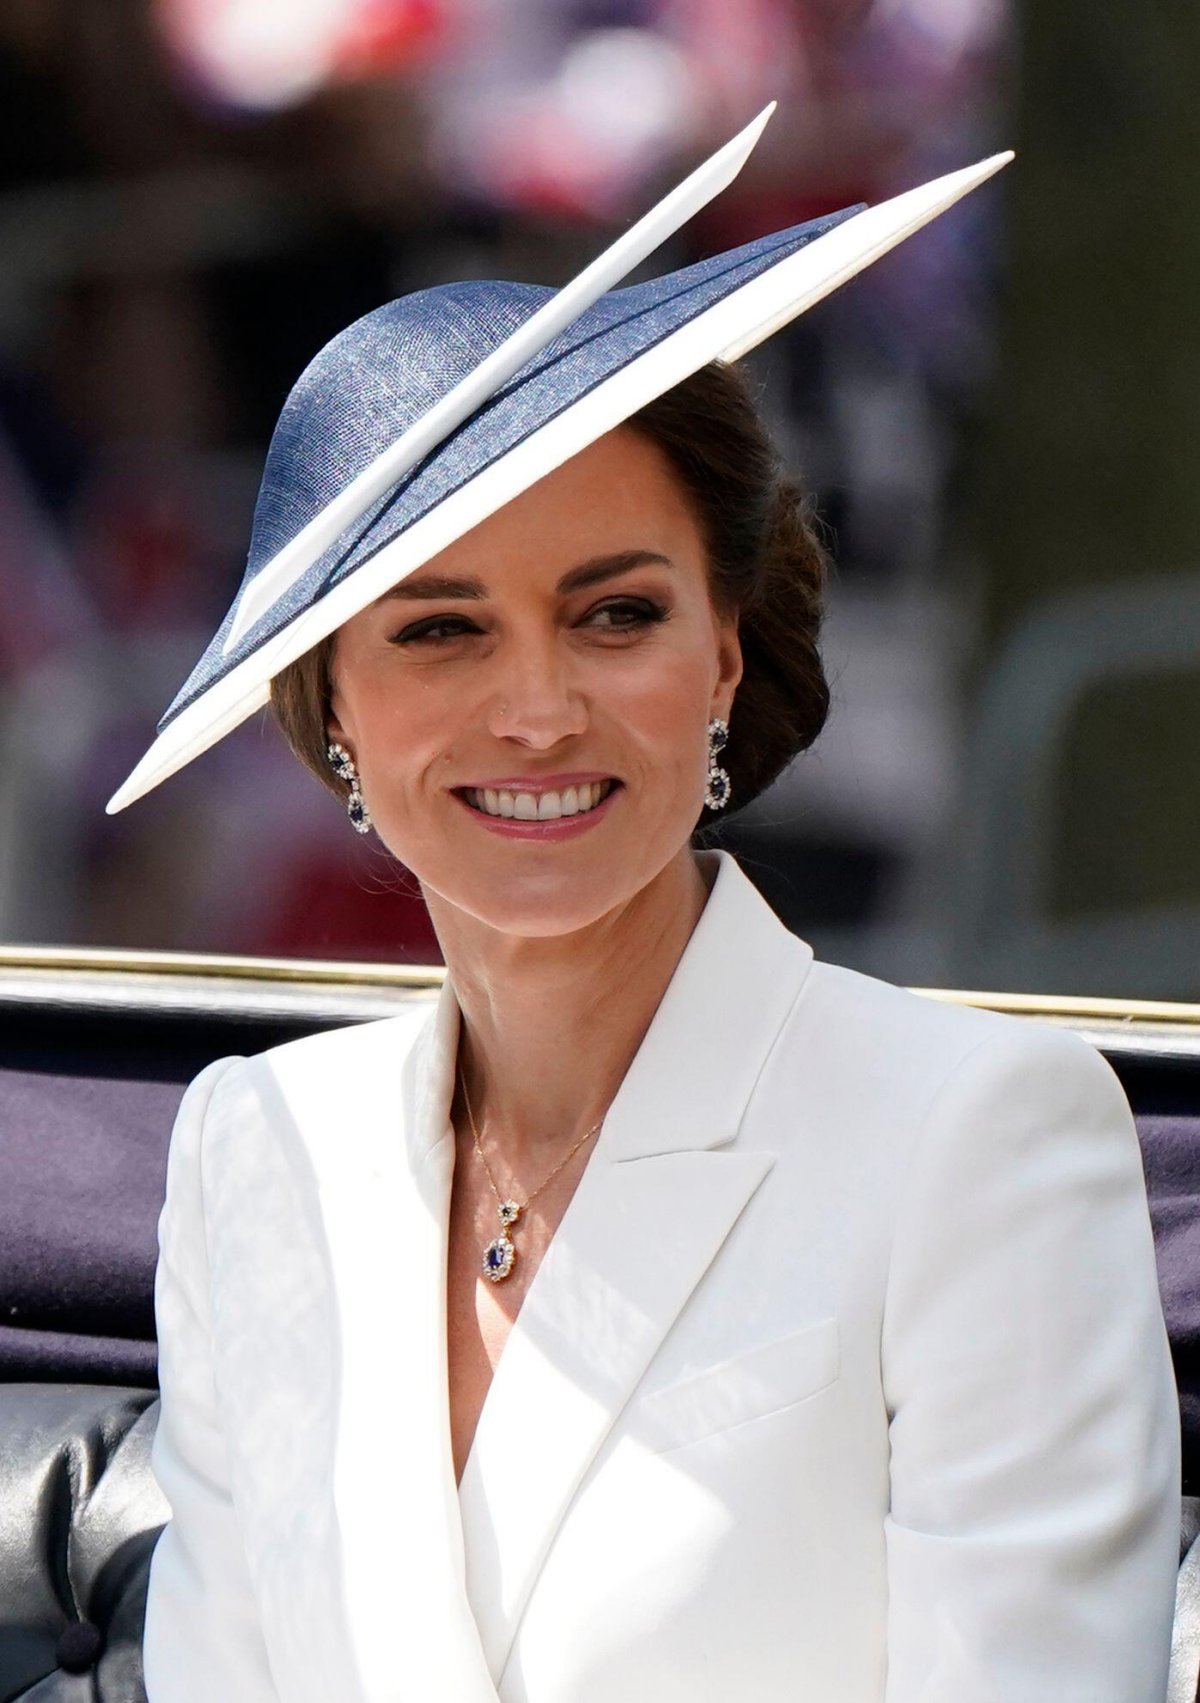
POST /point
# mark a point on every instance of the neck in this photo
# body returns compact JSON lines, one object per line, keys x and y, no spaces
{"x":550,"y":1026}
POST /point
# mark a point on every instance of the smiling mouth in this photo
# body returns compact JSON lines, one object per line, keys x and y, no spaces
{"x":540,"y":806}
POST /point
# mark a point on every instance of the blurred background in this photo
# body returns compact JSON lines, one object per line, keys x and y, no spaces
{"x":997,"y":423}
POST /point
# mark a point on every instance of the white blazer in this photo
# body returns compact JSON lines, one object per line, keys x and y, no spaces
{"x":844,"y":1378}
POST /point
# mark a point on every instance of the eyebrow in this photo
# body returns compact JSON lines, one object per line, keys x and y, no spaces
{"x":594,"y":571}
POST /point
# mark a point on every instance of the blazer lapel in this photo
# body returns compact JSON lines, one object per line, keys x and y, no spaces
{"x":657,"y":1200}
{"x":385,"y":1217}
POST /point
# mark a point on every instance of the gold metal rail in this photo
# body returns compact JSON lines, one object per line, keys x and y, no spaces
{"x":317,"y":973}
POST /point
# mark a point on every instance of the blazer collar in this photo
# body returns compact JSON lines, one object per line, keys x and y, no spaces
{"x":654,"y":1205}
{"x":621,"y":1267}
{"x":689,"y":1082}
{"x":739,"y":975}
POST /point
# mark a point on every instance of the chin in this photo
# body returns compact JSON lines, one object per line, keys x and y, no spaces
{"x":514,"y":896}
{"x":540,"y":905}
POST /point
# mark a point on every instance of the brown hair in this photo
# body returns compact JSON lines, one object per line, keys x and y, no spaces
{"x":765,"y":561}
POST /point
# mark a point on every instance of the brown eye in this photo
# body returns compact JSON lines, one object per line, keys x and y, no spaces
{"x":434,"y":628}
{"x":623,"y":613}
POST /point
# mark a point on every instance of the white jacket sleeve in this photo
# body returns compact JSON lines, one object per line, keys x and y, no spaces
{"x":1032,"y":1539}
{"x":202,"y":1638}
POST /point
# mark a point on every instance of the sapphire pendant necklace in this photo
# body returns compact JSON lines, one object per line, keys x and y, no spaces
{"x":500,"y":1255}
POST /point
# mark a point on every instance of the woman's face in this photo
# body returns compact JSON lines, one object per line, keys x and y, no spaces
{"x":528,"y":711}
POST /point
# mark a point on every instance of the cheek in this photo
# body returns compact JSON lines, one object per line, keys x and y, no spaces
{"x":396,"y":726}
{"x":665,"y":708}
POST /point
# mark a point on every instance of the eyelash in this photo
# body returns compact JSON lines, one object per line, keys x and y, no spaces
{"x":644,"y":611}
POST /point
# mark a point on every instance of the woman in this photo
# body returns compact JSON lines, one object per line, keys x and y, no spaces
{"x":669,"y":1316}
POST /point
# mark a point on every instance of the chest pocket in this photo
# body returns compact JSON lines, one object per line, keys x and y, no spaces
{"x":759,"y":1381}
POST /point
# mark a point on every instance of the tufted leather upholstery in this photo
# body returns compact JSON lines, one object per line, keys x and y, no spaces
{"x":79,"y":1515}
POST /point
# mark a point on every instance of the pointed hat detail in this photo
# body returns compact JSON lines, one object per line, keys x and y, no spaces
{"x":528,"y":340}
{"x":423,"y":418}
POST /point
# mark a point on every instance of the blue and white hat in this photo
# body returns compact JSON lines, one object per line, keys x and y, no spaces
{"x":427,"y":415}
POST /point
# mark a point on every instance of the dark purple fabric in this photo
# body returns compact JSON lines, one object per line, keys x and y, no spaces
{"x":82,"y":1175}
{"x":73,"y":1357}
{"x":1171,"y":1152}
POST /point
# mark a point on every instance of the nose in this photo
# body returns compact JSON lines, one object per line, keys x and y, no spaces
{"x":536,"y":701}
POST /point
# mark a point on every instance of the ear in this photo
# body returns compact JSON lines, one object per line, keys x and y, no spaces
{"x":334,"y":730}
{"x":729,"y":666}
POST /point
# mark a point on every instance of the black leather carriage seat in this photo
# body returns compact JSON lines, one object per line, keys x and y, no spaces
{"x":86,"y":1106}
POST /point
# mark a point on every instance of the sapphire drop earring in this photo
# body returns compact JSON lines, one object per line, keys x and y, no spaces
{"x":342,"y":764}
{"x":716,"y":793}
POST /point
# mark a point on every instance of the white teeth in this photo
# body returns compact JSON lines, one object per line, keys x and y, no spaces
{"x":539,"y":807}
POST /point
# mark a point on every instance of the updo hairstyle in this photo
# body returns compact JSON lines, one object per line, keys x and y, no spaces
{"x":766,"y":564}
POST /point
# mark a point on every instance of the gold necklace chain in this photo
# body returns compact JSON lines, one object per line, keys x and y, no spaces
{"x":500,"y":1255}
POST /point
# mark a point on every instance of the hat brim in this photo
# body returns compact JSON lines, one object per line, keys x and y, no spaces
{"x":791,"y":279}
